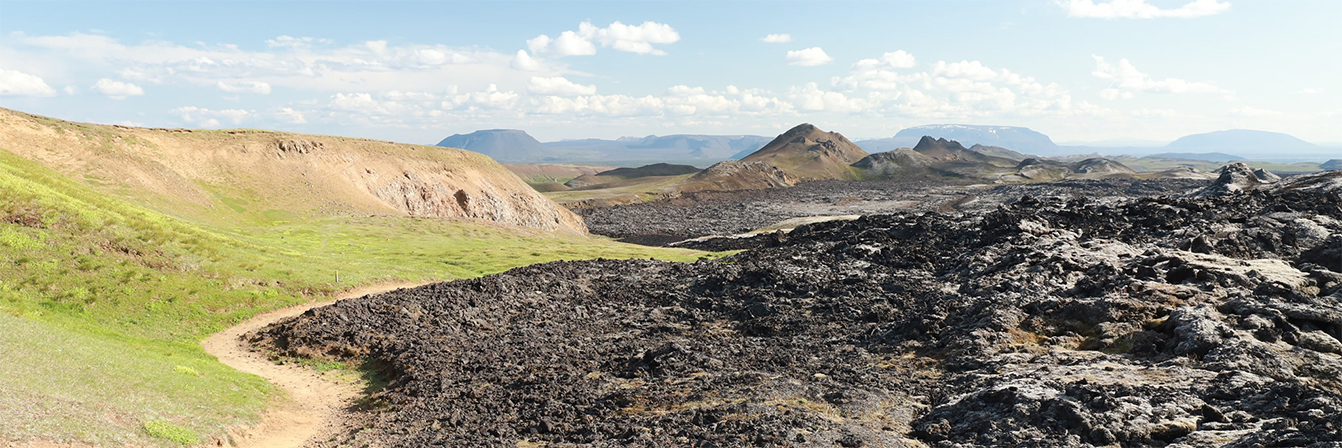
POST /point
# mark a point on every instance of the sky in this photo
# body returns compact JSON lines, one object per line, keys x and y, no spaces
{"x":1078,"y":70}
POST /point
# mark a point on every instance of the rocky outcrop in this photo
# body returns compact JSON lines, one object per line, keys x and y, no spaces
{"x":297,"y":146}
{"x":1101,"y":166}
{"x":899,"y":163}
{"x":1167,"y":321}
{"x":1238,"y":178}
{"x":740,"y":175}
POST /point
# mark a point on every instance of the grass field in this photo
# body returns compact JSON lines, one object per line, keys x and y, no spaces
{"x":103,"y":302}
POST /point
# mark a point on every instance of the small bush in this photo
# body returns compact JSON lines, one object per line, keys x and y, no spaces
{"x":165,"y":430}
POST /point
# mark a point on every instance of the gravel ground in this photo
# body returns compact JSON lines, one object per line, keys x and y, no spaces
{"x":725,"y":213}
{"x":1166,"y":321}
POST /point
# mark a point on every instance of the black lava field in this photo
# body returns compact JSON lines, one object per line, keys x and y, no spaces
{"x":1180,"y":320}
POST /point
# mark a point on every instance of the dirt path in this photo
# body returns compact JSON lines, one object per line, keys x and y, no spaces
{"x":315,"y":405}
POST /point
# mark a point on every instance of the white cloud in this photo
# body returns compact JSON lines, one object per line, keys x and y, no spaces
{"x":295,"y":42}
{"x":568,"y":43}
{"x":523,"y":61}
{"x":1254,"y":112}
{"x":808,"y":57}
{"x":244,"y":87}
{"x":1113,"y":94}
{"x":211,"y":118}
{"x":364,"y":65}
{"x":895,"y":59}
{"x":1312,"y":90}
{"x":964,"y":89}
{"x":777,"y":38}
{"x":558,"y":85}
{"x":811,"y":98}
{"x":1126,"y":78}
{"x":618,"y":36}
{"x":71,"y":90}
{"x":1139,"y":9}
{"x":17,"y":83}
{"x":117,"y":89}
{"x":291,"y":116}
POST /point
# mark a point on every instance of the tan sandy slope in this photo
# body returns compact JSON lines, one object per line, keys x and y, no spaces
{"x":265,"y":175}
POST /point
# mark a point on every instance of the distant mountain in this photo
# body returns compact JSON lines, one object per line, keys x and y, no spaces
{"x":656,"y":169}
{"x":942,"y":158}
{"x":1014,"y":138}
{"x":1203,"y":156}
{"x":620,"y":176}
{"x":679,"y":147}
{"x":802,"y":153}
{"x":1118,"y":143}
{"x":1241,"y":141}
{"x":997,"y":151}
{"x":810,"y":153}
{"x":1334,"y":164}
{"x":504,"y":145}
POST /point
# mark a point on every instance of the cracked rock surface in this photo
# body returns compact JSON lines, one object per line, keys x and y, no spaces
{"x":1188,"y":321}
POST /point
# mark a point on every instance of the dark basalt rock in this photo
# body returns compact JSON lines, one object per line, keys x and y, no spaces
{"x":1173,"y":320}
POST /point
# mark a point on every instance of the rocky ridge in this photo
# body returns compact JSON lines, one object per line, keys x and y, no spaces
{"x":1191,"y":320}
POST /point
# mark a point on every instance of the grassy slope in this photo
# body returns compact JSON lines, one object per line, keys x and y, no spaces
{"x":103,"y":302}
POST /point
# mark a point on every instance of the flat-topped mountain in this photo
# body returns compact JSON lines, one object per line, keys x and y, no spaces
{"x":1240,"y":140}
{"x":504,"y":145}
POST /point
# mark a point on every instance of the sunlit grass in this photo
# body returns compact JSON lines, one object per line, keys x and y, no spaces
{"x":103,"y":302}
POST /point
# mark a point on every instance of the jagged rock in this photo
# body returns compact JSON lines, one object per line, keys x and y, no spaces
{"x":1157,"y":321}
{"x":298,"y":146}
{"x":1238,"y":177}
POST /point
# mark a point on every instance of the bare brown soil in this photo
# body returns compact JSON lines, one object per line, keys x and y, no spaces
{"x":224,"y":176}
{"x":315,"y":405}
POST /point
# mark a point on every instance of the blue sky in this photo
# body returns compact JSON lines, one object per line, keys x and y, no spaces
{"x":1078,"y":70}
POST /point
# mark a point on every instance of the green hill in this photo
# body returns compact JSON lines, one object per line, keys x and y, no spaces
{"x":107,"y":288}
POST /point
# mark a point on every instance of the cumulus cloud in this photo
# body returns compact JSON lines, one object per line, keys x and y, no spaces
{"x":895,"y":59}
{"x":809,"y":57}
{"x":208,"y":118}
{"x":117,"y":89}
{"x":291,"y":116}
{"x":568,"y":43}
{"x":558,"y":85}
{"x":777,"y":38}
{"x":363,"y":65}
{"x":523,"y":61}
{"x":244,"y":87}
{"x":17,"y":83}
{"x":618,"y":36}
{"x":1139,"y":9}
{"x":294,"y":42}
{"x":1254,"y":112}
{"x":811,"y":98}
{"x":1126,"y":79}
{"x":1312,"y":91}
{"x":946,"y":89}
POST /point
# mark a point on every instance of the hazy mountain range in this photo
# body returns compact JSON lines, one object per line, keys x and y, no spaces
{"x":508,"y":145}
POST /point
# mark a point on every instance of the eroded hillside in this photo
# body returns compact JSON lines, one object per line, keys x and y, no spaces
{"x":269,"y":176}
